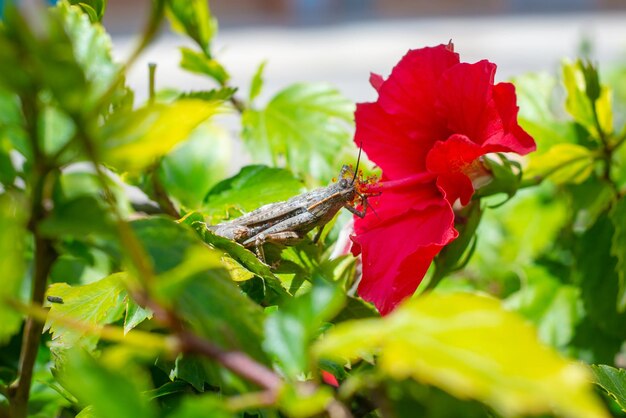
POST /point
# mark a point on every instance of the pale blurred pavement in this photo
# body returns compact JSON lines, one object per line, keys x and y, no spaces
{"x":344,"y":55}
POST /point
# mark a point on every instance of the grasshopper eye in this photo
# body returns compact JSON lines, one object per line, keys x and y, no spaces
{"x":343,"y":183}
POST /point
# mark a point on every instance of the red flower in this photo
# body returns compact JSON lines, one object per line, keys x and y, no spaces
{"x":433,"y":119}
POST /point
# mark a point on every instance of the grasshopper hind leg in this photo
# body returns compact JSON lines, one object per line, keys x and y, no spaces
{"x":285,"y":238}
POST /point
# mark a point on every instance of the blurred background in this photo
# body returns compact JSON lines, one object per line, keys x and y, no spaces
{"x":341,"y":41}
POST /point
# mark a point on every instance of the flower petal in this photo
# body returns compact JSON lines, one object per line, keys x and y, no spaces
{"x":410,"y":92}
{"x":514,"y":138}
{"x":465,"y":97}
{"x":391,"y":149}
{"x":397,"y":253}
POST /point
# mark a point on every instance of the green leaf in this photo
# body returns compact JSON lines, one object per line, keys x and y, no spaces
{"x":290,"y":329}
{"x":93,"y":305}
{"x":192,"y":168}
{"x":587,"y":101}
{"x":55,"y":129}
{"x":554,"y":308}
{"x":613,"y":381}
{"x":470,"y":347}
{"x":7,"y":171}
{"x":256,"y":85}
{"x":189,"y":276}
{"x":590,"y":199}
{"x":193,"y":18}
{"x":305,"y":127}
{"x":224,"y":93}
{"x":595,"y":270}
{"x":136,"y":139}
{"x":242,"y":256}
{"x":91,"y":46}
{"x":109,"y":388}
{"x":202,"y":407}
{"x":93,"y":8}
{"x":356,"y":308}
{"x":81,"y":217}
{"x":251,"y":188}
{"x":563,"y":163}
{"x":199,"y":63}
{"x":618,"y":249}
{"x":13,"y":218}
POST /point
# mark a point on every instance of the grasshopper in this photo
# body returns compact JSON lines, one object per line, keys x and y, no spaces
{"x":288,"y":222}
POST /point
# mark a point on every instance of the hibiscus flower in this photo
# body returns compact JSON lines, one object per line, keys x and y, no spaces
{"x":434,"y":118}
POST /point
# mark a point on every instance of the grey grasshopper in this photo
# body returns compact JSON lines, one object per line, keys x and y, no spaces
{"x":288,"y":222}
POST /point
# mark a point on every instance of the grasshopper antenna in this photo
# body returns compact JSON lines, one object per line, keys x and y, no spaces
{"x":358,"y":161}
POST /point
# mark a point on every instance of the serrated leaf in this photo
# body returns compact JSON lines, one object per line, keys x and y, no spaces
{"x":618,"y":248}
{"x":93,"y":305}
{"x":13,"y":218}
{"x":224,"y":93}
{"x":290,"y":329}
{"x":613,"y":381}
{"x":595,"y":270}
{"x":305,"y":127}
{"x":469,"y":346}
{"x":193,"y":281}
{"x":136,"y":139}
{"x":91,"y":47}
{"x":198,"y":63}
{"x":192,"y":168}
{"x":256,"y":85}
{"x":251,"y":188}
{"x":562,"y":163}
{"x":193,"y":18}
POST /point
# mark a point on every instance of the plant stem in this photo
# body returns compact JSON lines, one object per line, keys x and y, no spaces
{"x":19,"y":391}
{"x":235,"y":361}
{"x":44,"y":257}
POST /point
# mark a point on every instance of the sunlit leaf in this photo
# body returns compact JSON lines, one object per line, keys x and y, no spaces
{"x":193,"y":167}
{"x":91,"y":46}
{"x":613,"y":381}
{"x":472,"y":348}
{"x":193,"y":18}
{"x":251,"y":188}
{"x":13,"y":218}
{"x":134,"y":140}
{"x":199,"y":63}
{"x":290,"y":329}
{"x":588,"y":101}
{"x":93,"y":305}
{"x":618,"y":248}
{"x":256,"y":85}
{"x":305,"y":127}
{"x":563,"y":163}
